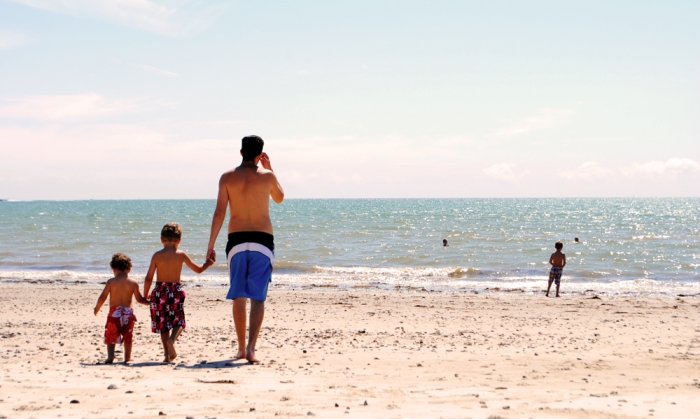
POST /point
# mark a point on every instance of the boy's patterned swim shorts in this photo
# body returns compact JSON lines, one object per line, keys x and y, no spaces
{"x":120,"y":325}
{"x":167,"y":299}
{"x":555,"y":274}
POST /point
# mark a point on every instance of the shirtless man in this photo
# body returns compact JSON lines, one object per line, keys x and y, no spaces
{"x":246,"y":190}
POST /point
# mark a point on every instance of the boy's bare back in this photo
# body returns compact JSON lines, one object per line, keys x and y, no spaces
{"x":120,"y":289}
{"x":558,"y":259}
{"x":168,"y":264}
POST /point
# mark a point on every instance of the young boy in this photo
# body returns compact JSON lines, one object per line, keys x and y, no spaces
{"x":121,"y":319}
{"x":558,"y":261}
{"x":167,"y":298}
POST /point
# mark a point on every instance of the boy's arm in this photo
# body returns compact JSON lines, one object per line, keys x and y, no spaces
{"x":137,"y":295}
{"x":218,"y":219}
{"x":103,"y":297}
{"x":195,"y":267}
{"x":550,"y":259}
{"x":149,"y":276}
{"x":564,"y":260}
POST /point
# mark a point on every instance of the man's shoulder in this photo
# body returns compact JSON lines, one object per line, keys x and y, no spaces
{"x":239,"y":174}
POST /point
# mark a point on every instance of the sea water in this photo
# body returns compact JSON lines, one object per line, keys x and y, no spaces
{"x":626,"y":245}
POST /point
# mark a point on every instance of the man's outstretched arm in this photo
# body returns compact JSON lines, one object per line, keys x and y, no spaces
{"x":218,"y":219}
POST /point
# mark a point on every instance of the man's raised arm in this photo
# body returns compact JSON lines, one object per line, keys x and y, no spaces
{"x":276,"y":192}
{"x":218,"y":219}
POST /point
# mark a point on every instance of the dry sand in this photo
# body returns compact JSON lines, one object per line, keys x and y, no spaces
{"x":359,"y":353}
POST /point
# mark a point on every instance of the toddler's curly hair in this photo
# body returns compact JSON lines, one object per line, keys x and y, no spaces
{"x":120,"y":262}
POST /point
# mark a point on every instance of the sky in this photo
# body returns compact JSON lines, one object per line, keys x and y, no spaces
{"x":141,"y":99}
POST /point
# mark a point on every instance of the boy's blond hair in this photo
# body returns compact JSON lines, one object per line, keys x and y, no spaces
{"x":171,"y":232}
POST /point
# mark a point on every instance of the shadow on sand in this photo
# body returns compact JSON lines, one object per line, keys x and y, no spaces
{"x":223,"y":364}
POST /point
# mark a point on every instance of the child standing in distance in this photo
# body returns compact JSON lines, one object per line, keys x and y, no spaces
{"x":167,"y":298}
{"x":558,"y":261}
{"x":121,"y":318}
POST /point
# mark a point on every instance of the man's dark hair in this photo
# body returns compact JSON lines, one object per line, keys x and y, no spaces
{"x":251,"y":147}
{"x":171,"y":232}
{"x":120,"y":262}
{"x":558,"y":245}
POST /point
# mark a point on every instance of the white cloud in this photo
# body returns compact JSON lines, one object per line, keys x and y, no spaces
{"x":156,"y":70}
{"x":9,"y":40}
{"x":504,"y":171}
{"x":159,"y":17}
{"x":71,"y":107}
{"x":672,"y":166}
{"x":587,"y":171}
{"x":545,"y":118}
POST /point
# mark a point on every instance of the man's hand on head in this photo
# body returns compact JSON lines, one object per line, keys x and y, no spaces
{"x":265,"y":161}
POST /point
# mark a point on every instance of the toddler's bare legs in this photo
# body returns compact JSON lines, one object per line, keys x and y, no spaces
{"x":110,"y":354}
{"x":127,"y":351}
{"x":239,"y":321}
{"x":170,"y":343}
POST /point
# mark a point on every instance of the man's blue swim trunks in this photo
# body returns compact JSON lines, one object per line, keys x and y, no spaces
{"x":251,"y":255}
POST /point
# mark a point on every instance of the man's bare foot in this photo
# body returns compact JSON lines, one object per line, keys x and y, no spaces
{"x":240,"y":355}
{"x":166,"y":360}
{"x":172,"y":354}
{"x":126,"y":361}
{"x":250,"y":356}
{"x":109,"y":361}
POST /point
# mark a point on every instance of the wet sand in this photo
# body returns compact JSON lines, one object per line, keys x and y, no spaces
{"x":329,"y":352}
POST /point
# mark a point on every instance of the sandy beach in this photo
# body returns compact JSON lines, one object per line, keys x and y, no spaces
{"x":331,"y":352}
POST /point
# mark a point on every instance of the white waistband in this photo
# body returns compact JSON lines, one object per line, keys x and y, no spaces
{"x":253,"y":247}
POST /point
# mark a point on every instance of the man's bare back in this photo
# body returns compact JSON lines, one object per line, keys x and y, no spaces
{"x":247,"y":190}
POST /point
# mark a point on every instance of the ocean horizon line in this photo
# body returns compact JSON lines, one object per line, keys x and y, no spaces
{"x":354,"y":199}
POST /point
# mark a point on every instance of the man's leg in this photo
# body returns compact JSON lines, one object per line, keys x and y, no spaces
{"x":239,"y":320}
{"x":257,"y":313}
